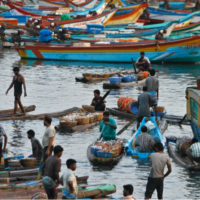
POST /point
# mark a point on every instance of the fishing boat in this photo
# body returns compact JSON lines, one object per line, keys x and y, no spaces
{"x":98,"y":154}
{"x":155,"y":133}
{"x":181,"y":50}
{"x":87,"y":4}
{"x":184,"y":161}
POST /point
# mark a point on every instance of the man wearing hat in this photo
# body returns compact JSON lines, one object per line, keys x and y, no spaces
{"x":128,"y":191}
{"x":17,"y":82}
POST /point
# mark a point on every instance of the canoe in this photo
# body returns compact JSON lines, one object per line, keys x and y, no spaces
{"x":37,"y":192}
{"x":102,"y":161}
{"x":181,"y":160}
{"x":155,"y":133}
{"x":86,"y":80}
{"x":186,"y":50}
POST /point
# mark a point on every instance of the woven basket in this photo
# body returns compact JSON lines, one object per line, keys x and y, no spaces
{"x":91,"y":119}
{"x":100,"y":75}
{"x":112,"y":74}
{"x":87,"y":75}
{"x":159,"y":109}
{"x":99,"y":116}
{"x":106,"y":75}
{"x":82,"y":120}
{"x":27,"y":162}
{"x":88,"y":108}
{"x":140,"y":77}
{"x":68,"y":124}
{"x":14,"y":163}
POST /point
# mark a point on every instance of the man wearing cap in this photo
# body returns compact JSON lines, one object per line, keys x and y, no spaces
{"x":128,"y":191}
{"x":17,"y":82}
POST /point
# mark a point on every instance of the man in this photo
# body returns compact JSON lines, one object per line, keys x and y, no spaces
{"x":152,"y":84}
{"x":145,"y":141}
{"x":45,"y":36}
{"x":50,"y":171}
{"x":48,"y":139}
{"x":193,"y":152}
{"x":145,"y":101}
{"x":156,"y":178}
{"x":143,"y":63}
{"x":128,"y":191}
{"x":37,"y":149}
{"x":108,"y":127}
{"x":68,"y":180}
{"x":160,"y":35}
{"x":18,"y":81}
{"x":96,"y":101}
{"x":2,"y":134}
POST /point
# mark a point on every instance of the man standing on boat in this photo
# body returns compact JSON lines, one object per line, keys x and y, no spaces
{"x":143,"y":63}
{"x":99,"y":106}
{"x":68,"y":180}
{"x":156,"y":177}
{"x":18,"y":81}
{"x":2,"y":134}
{"x":50,"y":171}
{"x":145,"y":101}
{"x":128,"y":191}
{"x":48,"y":139}
{"x":152,"y":84}
{"x":37,"y":150}
{"x":108,"y":127}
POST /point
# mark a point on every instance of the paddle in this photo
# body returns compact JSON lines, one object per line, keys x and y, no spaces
{"x":182,"y":119}
{"x":103,"y":98}
{"x":134,"y":65}
{"x":125,"y":127}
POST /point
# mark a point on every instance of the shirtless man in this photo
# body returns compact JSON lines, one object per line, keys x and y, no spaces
{"x":18,"y":81}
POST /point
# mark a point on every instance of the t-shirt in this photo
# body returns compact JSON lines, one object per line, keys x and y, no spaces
{"x":158,"y":162}
{"x":145,"y":101}
{"x":99,"y":107}
{"x":52,"y":166}
{"x":108,"y":133}
{"x":141,"y":59}
{"x":195,"y":150}
{"x":2,"y":132}
{"x":144,"y":139}
{"x":36,"y":148}
{"x":50,"y":132}
{"x":69,"y":176}
{"x":152,"y":83}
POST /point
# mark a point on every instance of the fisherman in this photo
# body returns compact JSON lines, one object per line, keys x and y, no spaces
{"x":50,"y":171}
{"x":2,"y":32}
{"x":128,"y":191}
{"x":61,"y":35}
{"x":2,"y":134}
{"x":145,"y":141}
{"x":152,"y":84}
{"x":193,"y":152}
{"x":37,"y":149}
{"x":18,"y":81}
{"x":45,"y":36}
{"x":68,"y":180}
{"x":99,"y":106}
{"x":143,"y":63}
{"x":145,"y":101}
{"x":48,"y":139}
{"x":160,"y":35}
{"x":108,"y":127}
{"x":158,"y":161}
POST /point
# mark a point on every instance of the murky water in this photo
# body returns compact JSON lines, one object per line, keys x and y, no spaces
{"x":51,"y":87}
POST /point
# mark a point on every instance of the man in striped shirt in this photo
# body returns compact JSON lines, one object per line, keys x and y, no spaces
{"x":193,"y":152}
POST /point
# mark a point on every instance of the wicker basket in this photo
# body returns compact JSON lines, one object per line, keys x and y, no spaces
{"x":183,"y":147}
{"x":159,"y":109}
{"x":82,"y":120}
{"x":100,"y":75}
{"x":99,"y":116}
{"x":91,"y":119}
{"x":88,"y":108}
{"x":67,"y":124}
{"x":87,"y":75}
{"x":106,"y":75}
{"x":140,"y":77}
{"x":27,"y":162}
{"x":14,"y":163}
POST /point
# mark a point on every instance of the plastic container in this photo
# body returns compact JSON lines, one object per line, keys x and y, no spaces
{"x":115,"y":80}
{"x":102,"y":154}
{"x":120,"y":101}
{"x":134,"y":107}
{"x":159,"y":114}
{"x":95,"y":150}
{"x":170,"y":140}
{"x":146,"y":74}
{"x":125,"y":102}
{"x":127,"y":79}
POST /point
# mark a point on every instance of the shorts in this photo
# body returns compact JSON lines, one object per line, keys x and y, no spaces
{"x":44,"y":152}
{"x":154,"y":184}
{"x":17,"y":96}
{"x":155,"y":97}
{"x":139,"y":119}
{"x":49,"y":186}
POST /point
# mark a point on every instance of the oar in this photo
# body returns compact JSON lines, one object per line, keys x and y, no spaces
{"x":182,"y":119}
{"x":100,"y":136}
{"x":125,"y":127}
{"x":102,"y":99}
{"x":134,"y":65}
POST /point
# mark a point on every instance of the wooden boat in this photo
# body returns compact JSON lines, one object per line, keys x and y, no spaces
{"x":179,"y":50}
{"x":87,"y":4}
{"x":184,"y":161}
{"x":37,"y":192}
{"x":41,"y":116}
{"x":103,"y":161}
{"x":155,"y":133}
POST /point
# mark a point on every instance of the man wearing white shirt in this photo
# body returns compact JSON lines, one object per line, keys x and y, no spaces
{"x":68,"y":180}
{"x":48,"y":139}
{"x":143,"y":63}
{"x":2,"y":134}
{"x":128,"y":191}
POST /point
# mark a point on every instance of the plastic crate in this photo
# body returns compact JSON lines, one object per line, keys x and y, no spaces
{"x":95,"y":150}
{"x":101,"y":154}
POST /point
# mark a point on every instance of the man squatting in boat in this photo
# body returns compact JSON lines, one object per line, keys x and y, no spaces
{"x":96,"y":102}
{"x":143,"y":63}
{"x":17,"y":82}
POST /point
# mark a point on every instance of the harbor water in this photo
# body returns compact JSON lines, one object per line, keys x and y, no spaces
{"x":51,"y":87}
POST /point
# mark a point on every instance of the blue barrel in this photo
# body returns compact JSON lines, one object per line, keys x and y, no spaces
{"x":127,"y":79}
{"x":115,"y":80}
{"x":134,"y":107}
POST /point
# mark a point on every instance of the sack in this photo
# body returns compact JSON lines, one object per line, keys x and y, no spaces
{"x":150,"y":125}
